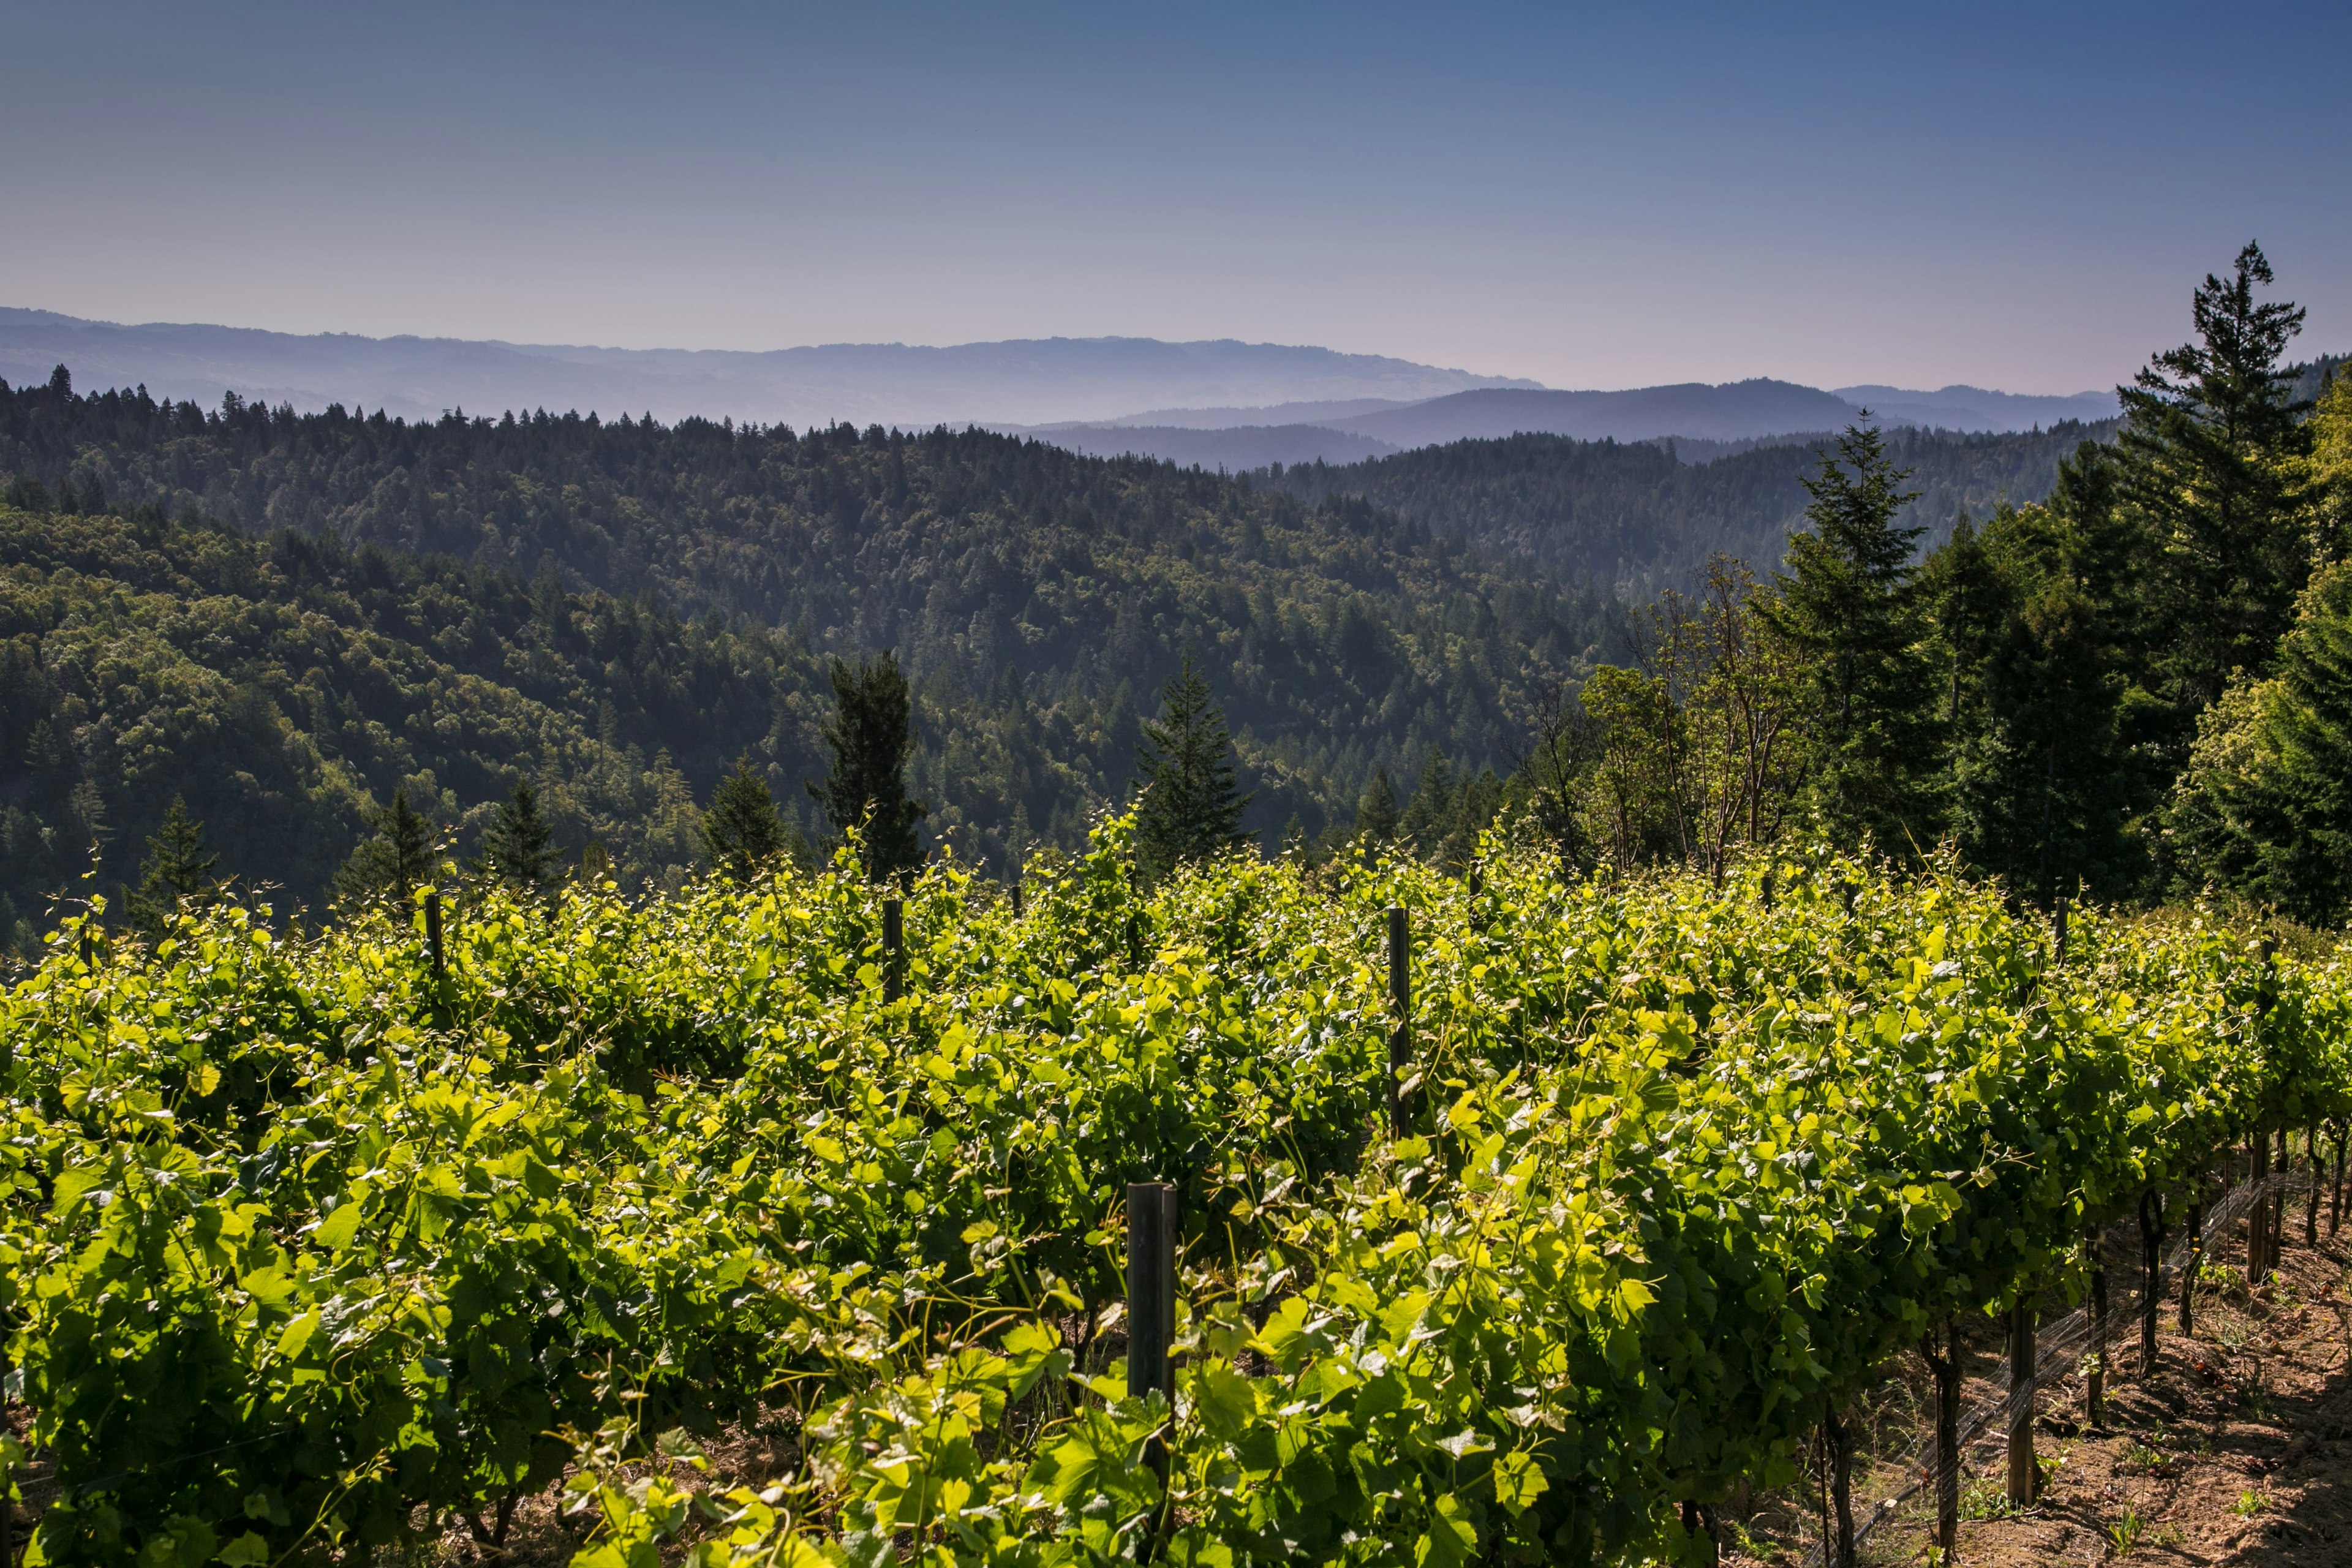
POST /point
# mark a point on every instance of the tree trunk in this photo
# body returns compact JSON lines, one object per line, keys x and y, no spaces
{"x":1699,"y":1528}
{"x":2024,"y":1475}
{"x":2151,"y":1241}
{"x":1945,"y":1369}
{"x":2095,"y":1402}
{"x":1840,"y":1458}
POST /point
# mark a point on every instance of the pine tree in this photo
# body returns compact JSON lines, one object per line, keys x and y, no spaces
{"x":1377,"y":817}
{"x":2210,"y":461}
{"x":2039,"y":785}
{"x":516,"y":849}
{"x":742,"y":833}
{"x":177,"y":873}
{"x":1192,"y":808}
{"x":1476,"y":802}
{"x":1847,"y":601}
{"x":869,"y":734}
{"x":393,"y":861}
{"x":1430,"y":817}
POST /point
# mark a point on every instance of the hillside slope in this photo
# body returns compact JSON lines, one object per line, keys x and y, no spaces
{"x":1635,"y":515}
{"x":1039,"y":600}
{"x":282,"y":684}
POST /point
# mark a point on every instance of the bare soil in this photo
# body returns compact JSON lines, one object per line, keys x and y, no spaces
{"x":2235,"y":1447}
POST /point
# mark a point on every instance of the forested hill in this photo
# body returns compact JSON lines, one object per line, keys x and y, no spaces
{"x":1635,"y":516}
{"x":1040,"y":600}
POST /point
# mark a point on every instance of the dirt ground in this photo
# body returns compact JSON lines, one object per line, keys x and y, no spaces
{"x":2237,"y":1448}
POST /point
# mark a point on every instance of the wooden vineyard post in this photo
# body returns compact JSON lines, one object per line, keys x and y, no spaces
{"x":1401,"y":1015}
{"x":1944,"y":1365}
{"x":2025,"y":1474}
{"x":1151,"y":1306}
{"x":1150,"y":1288}
{"x":894,"y":949}
{"x":1017,"y":910}
{"x":2060,"y":933}
{"x":432,"y":948}
{"x":2151,"y":1242}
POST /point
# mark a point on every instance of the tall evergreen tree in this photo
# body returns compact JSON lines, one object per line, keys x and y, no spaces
{"x":1192,"y":808}
{"x":177,"y":873}
{"x":1476,"y":800}
{"x":1847,"y":600}
{"x":393,"y":861}
{"x":870,"y":734}
{"x":1429,"y":817}
{"x":742,"y":833}
{"x":2210,"y":461}
{"x":1376,"y":817}
{"x":518,"y":850}
{"x":2039,"y":785}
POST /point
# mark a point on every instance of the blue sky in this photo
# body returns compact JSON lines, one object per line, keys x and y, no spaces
{"x":2020,"y":197}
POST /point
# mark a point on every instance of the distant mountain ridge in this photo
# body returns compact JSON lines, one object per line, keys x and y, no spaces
{"x":1703,"y":421}
{"x":1030,"y":381}
{"x":1216,"y":404}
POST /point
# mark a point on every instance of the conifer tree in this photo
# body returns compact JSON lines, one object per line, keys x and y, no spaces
{"x":177,"y":873}
{"x":742,"y":833}
{"x":516,"y":849}
{"x":1192,"y":808}
{"x":393,"y":861}
{"x":869,"y":734}
{"x":1430,"y":817}
{"x":2210,"y":461}
{"x":1377,"y":817}
{"x":1847,"y":601}
{"x":1476,"y":802}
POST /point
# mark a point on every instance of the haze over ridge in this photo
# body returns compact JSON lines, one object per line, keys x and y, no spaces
{"x":1073,"y":390}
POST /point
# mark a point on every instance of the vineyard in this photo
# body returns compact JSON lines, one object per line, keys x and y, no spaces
{"x":355,"y":1237}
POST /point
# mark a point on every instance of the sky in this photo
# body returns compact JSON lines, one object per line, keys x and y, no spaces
{"x":2017,"y":197}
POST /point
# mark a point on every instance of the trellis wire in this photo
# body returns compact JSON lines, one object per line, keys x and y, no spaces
{"x":2056,"y":1345}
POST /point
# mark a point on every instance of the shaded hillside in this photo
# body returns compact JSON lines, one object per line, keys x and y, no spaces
{"x":282,"y":684}
{"x":1635,"y":515}
{"x":1040,"y":599}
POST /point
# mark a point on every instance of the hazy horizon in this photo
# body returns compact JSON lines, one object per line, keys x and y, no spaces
{"x":2006,"y":197}
{"x":10,"y":309}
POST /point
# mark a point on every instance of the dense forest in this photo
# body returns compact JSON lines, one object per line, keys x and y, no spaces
{"x":2116,"y":660}
{"x":285,"y":619}
{"x":2139,"y":687}
{"x":1636,"y":516}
